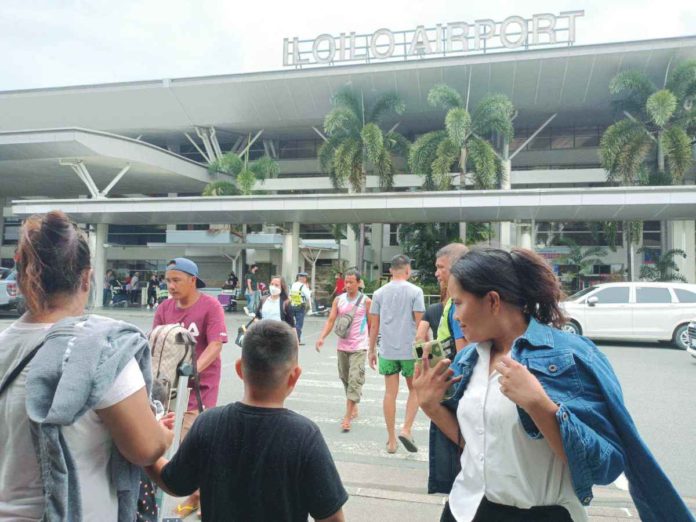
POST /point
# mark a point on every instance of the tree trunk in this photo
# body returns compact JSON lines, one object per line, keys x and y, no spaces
{"x":361,"y":235}
{"x":660,"y":154}
{"x":462,"y":186}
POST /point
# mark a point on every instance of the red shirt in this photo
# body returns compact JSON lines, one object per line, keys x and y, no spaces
{"x":340,"y":286}
{"x":206,"y":322}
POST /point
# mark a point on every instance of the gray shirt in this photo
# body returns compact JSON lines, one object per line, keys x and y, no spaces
{"x":395,"y":304}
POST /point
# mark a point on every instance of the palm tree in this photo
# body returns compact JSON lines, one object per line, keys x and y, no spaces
{"x":664,"y":269}
{"x":246,"y":174}
{"x":582,"y":259}
{"x":652,"y":144}
{"x":357,"y":145}
{"x":654,"y":140}
{"x":435,"y":154}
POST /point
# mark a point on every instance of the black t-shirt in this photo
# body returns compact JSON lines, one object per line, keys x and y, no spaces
{"x":256,"y":464}
{"x":254,"y":283}
{"x":433,"y":315}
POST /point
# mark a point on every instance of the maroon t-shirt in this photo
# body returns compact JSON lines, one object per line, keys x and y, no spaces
{"x":206,"y":322}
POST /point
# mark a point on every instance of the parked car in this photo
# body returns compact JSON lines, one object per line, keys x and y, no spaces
{"x":10,"y":296}
{"x":692,"y":339}
{"x":633,"y":312}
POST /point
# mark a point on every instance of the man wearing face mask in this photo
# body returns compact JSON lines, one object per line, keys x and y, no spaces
{"x":276,"y":306}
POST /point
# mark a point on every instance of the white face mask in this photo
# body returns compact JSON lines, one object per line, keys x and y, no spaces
{"x":274,"y":290}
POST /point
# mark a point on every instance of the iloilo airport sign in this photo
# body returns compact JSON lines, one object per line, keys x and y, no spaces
{"x":486,"y":35}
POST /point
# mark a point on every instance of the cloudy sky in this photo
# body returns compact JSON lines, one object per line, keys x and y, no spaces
{"x":49,"y":43}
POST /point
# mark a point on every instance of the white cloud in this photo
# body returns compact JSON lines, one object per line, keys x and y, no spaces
{"x":66,"y":42}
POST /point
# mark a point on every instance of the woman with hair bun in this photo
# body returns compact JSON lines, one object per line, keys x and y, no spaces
{"x":76,"y":419}
{"x":538,"y":416}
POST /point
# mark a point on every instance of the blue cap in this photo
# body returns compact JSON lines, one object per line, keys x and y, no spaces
{"x":188,"y":267}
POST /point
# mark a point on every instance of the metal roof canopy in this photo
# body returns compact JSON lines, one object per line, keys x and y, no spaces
{"x":570,"y":80}
{"x":594,"y":204}
{"x":30,"y":164}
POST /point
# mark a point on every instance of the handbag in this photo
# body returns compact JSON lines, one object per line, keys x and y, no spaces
{"x":344,"y":321}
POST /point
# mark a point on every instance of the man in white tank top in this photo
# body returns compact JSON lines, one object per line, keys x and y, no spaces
{"x":352,"y":349}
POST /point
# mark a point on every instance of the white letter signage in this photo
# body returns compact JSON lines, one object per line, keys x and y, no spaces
{"x":482,"y":36}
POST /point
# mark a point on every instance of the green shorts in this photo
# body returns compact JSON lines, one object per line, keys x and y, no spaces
{"x":391,"y":367}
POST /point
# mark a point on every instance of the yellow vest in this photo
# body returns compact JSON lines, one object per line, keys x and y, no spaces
{"x":443,"y":330}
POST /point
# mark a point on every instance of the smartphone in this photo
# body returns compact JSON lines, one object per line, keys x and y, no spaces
{"x":434,"y":349}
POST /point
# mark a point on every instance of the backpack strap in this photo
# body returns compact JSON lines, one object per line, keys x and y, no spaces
{"x":18,"y":369}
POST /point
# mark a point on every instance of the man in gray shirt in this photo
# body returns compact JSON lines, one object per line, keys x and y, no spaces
{"x":396,"y":310}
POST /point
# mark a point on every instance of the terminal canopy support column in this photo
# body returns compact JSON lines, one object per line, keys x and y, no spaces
{"x":377,"y":241}
{"x":291,"y":252}
{"x":98,"y":235}
{"x":680,"y":235}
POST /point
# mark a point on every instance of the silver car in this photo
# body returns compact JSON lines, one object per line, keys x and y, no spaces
{"x":633,"y":312}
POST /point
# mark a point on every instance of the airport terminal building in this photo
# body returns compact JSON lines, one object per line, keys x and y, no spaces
{"x":130,"y":159}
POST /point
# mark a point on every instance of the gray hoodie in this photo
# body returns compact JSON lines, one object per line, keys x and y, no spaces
{"x":79,"y":361}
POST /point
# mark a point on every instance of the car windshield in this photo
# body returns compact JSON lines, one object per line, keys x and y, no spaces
{"x":4,"y":273}
{"x":581,"y":293}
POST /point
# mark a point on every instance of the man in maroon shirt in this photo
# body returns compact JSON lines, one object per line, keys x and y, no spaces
{"x":203,"y":316}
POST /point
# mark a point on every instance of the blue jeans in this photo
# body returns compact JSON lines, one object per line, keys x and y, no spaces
{"x":298,"y":314}
{"x":252,"y":300}
{"x":106,"y":299}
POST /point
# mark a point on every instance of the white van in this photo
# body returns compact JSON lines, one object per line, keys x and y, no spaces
{"x":633,"y":311}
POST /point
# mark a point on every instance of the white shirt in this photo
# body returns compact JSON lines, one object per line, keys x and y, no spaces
{"x":88,"y":440}
{"x":271,"y":309}
{"x":500,"y":461}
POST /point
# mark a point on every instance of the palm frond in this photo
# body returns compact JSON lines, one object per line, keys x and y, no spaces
{"x":623,"y":149}
{"x":384,"y":167}
{"x":264,"y":168}
{"x":397,"y":144}
{"x":484,"y":164}
{"x":458,"y":125}
{"x":373,"y":141}
{"x":446,"y":155}
{"x":341,"y":120}
{"x":677,"y":147}
{"x":444,"y":97}
{"x":494,"y":115}
{"x":221,"y":188}
{"x":389,"y":102}
{"x":423,"y":150}
{"x":631,"y":90}
{"x":246,"y":181}
{"x":660,"y":107}
{"x":229,"y":163}
{"x":344,"y":161}
{"x":347,"y":98}
{"x":682,"y":80}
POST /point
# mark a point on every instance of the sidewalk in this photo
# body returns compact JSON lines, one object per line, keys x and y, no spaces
{"x":394,"y":494}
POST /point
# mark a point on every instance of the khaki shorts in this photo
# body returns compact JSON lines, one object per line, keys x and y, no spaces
{"x":351,"y":370}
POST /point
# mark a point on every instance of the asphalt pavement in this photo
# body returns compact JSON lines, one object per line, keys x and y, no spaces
{"x":658,"y":387}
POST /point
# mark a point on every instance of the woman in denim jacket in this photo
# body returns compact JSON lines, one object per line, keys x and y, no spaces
{"x":538,"y":416}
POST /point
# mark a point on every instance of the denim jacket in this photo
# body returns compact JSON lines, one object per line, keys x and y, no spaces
{"x":77,"y":364}
{"x":599,"y":437}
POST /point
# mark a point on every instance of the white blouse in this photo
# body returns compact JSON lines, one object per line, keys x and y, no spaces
{"x":500,"y":461}
{"x":271,"y":309}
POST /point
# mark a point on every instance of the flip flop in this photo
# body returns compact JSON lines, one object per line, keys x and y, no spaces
{"x":391,"y":451}
{"x":345,"y":425}
{"x":408,"y":443}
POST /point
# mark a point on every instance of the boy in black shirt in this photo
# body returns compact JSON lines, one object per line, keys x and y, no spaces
{"x":254,"y":460}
